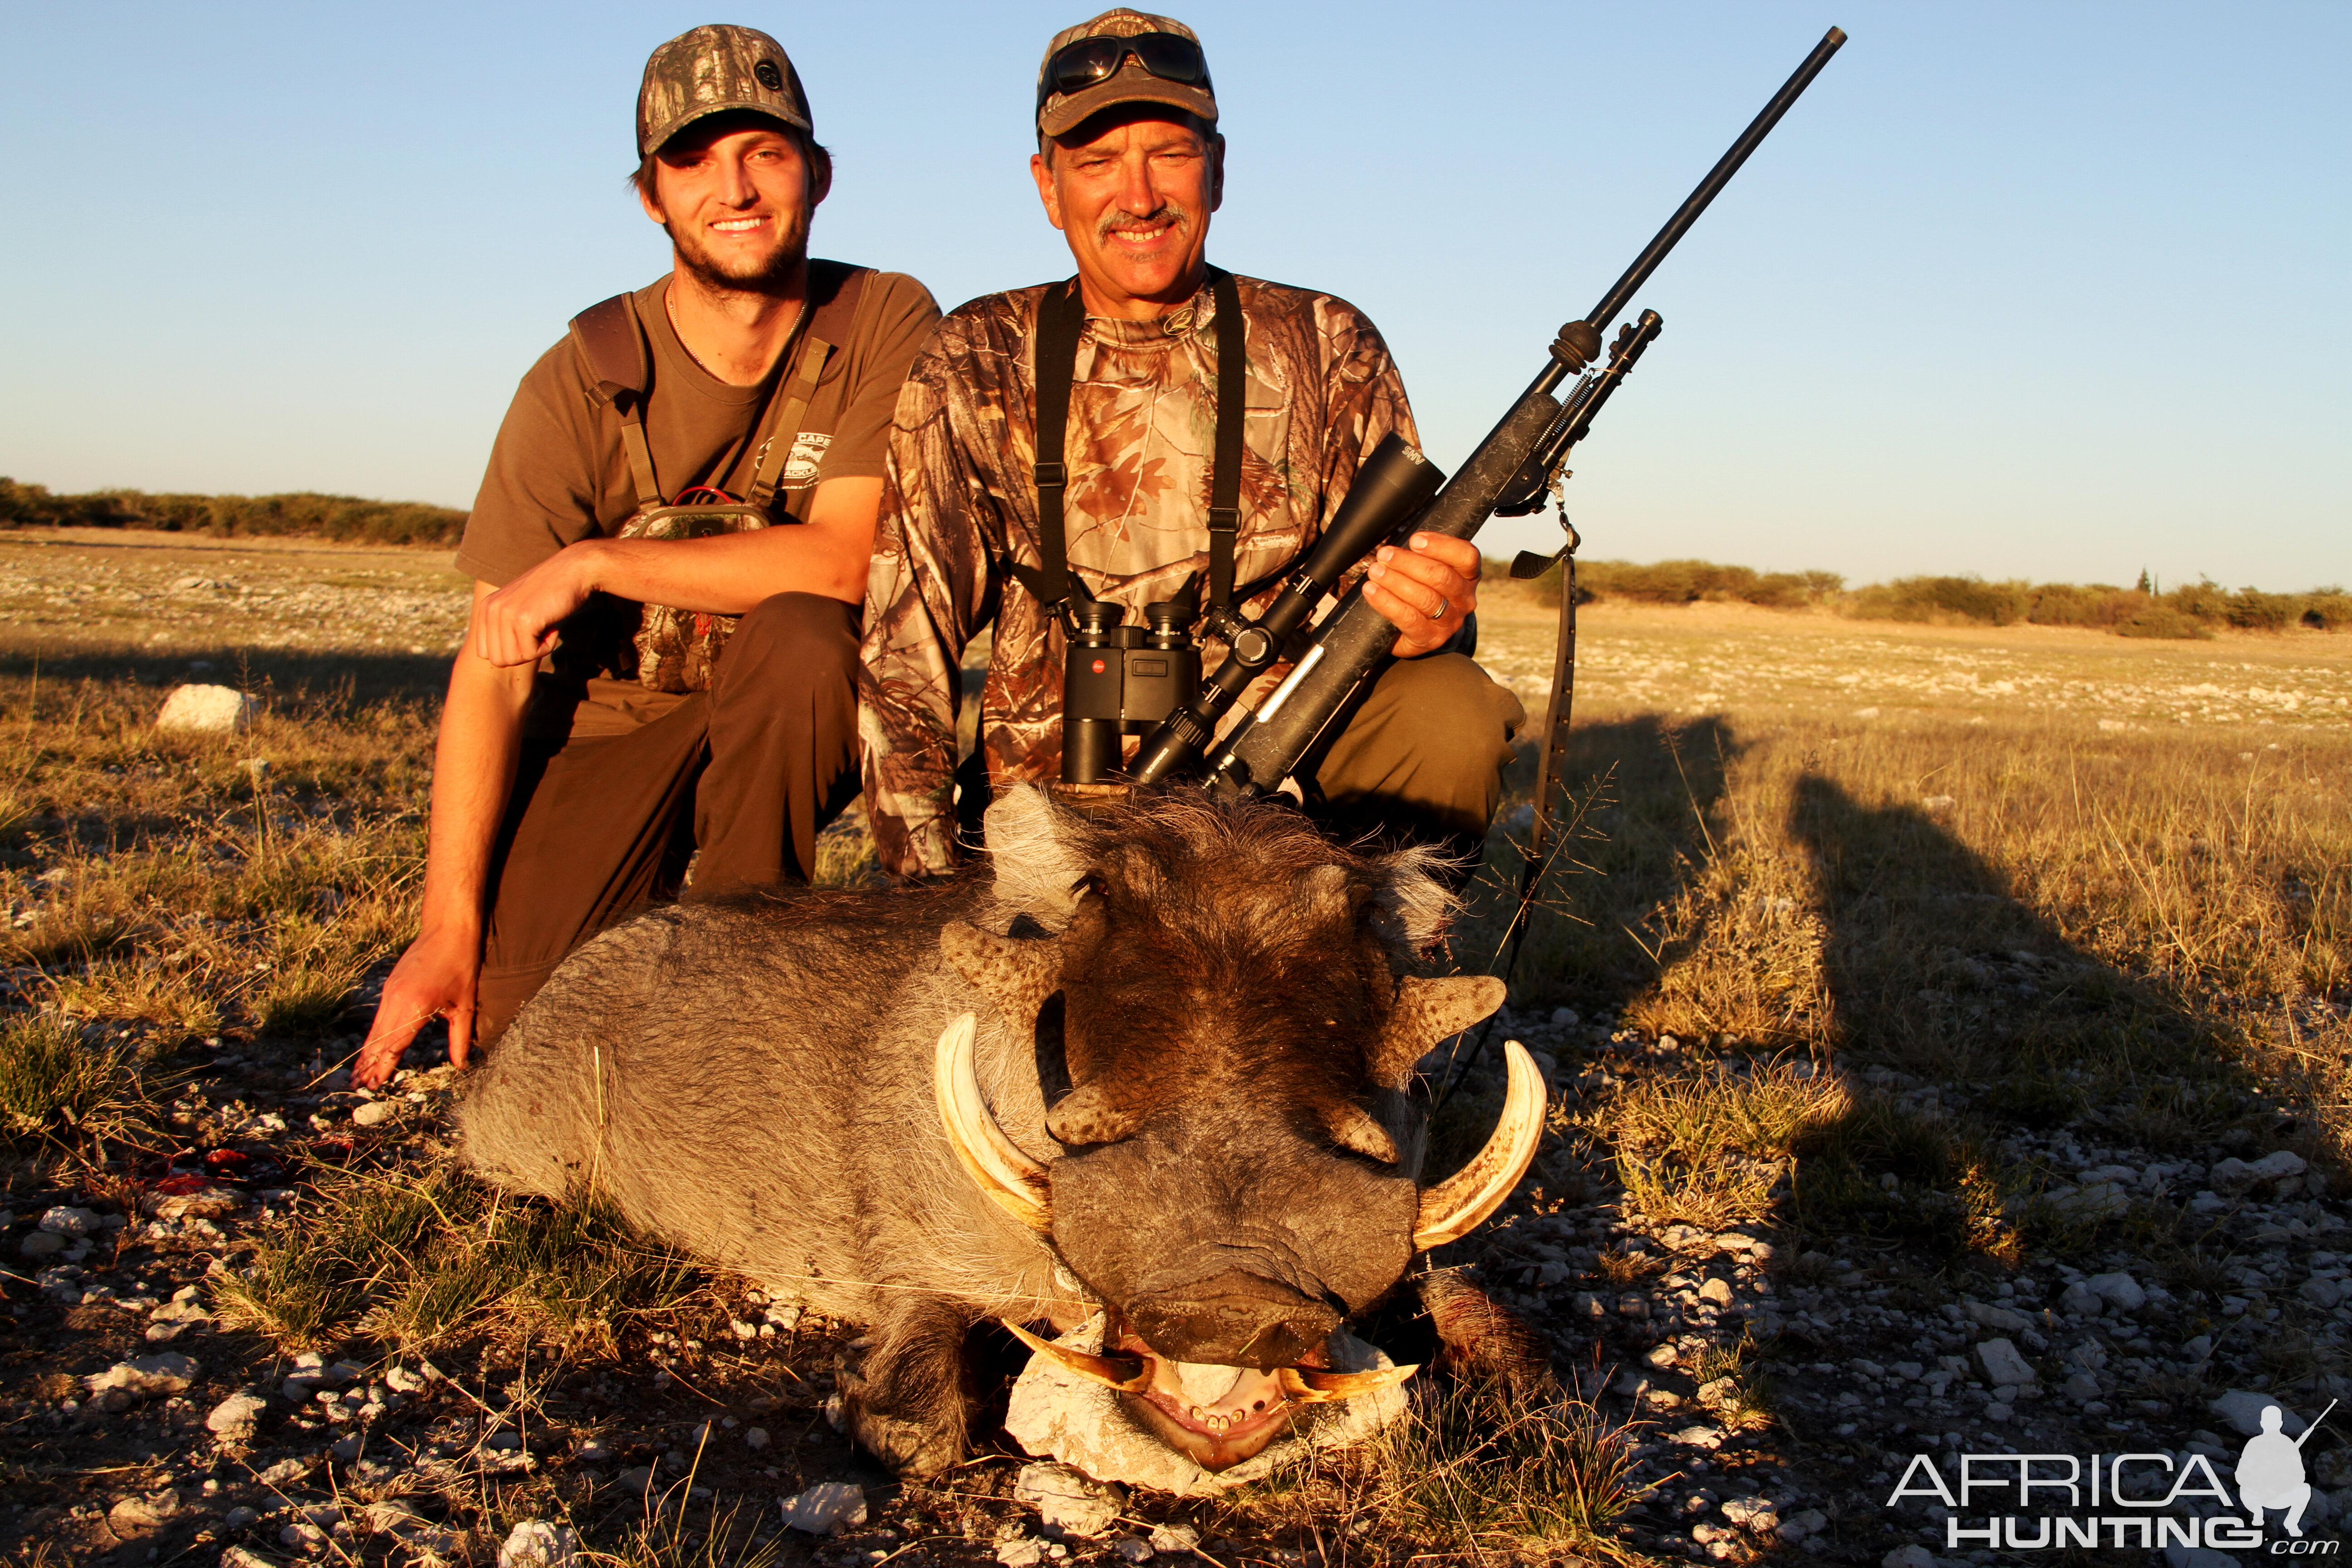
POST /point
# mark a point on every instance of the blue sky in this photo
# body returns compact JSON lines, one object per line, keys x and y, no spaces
{"x":2055,"y":290}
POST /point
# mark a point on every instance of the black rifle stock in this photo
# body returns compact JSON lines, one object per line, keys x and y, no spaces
{"x":1512,"y":466}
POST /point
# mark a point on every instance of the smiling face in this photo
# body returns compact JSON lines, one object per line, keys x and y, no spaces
{"x":736,"y":192}
{"x":1132,"y":190}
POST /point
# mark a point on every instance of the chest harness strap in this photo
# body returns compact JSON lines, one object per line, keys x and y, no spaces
{"x":1061,"y":322}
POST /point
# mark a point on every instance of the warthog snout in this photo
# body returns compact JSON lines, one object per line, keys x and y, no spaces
{"x":1232,"y":1320}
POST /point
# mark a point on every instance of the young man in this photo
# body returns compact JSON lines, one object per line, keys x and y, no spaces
{"x":1129,"y":167}
{"x":603,"y":724}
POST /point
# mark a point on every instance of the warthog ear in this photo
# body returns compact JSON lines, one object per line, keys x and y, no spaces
{"x":1428,"y":1011}
{"x":1090,"y":1115}
{"x":1030,"y":853}
{"x":1414,"y":904}
{"x":1016,"y":975}
{"x":1326,"y":892}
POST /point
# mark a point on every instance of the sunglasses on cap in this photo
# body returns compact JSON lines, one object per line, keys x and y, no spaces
{"x":1076,"y":66}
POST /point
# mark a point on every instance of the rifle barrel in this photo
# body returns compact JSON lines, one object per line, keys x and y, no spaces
{"x":1621,"y":293}
{"x":2315,"y":1420}
{"x":1258,"y":753}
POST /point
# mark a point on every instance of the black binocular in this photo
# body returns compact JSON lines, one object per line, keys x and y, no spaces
{"x":1120,"y":679}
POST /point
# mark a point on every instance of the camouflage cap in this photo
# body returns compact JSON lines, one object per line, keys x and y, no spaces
{"x":1063,"y":111}
{"x":711,"y":71}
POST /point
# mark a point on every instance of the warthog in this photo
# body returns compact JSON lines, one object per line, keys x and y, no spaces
{"x":1153,"y":1063}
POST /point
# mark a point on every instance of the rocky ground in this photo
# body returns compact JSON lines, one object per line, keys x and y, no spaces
{"x":1774,"y":1388}
{"x":1862,"y":1358}
{"x":2146,"y":1247}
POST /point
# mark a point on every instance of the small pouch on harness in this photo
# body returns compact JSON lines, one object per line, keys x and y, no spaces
{"x":676,"y":650}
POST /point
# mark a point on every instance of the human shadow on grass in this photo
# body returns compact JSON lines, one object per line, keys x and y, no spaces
{"x":2000,"y":1030}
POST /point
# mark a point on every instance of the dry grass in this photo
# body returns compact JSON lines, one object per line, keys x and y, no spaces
{"x":1988,"y":885}
{"x":730,"y":1536}
{"x":1473,"y":1472}
{"x":1965,"y":929}
{"x":1709,"y":1148}
{"x":419,"y":1257}
{"x":175,"y":887}
{"x":1732,"y":1387}
{"x":57,"y":1088}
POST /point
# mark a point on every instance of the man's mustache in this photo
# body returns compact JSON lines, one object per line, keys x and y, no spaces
{"x":1166,"y":214}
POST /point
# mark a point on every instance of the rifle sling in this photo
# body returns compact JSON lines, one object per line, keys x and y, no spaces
{"x":1551,"y":761}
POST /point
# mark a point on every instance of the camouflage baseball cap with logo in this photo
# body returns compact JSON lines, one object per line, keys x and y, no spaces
{"x":1058,"y":112}
{"x":711,"y":71}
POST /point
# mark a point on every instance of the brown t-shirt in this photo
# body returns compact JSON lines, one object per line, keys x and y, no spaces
{"x":559,"y":475}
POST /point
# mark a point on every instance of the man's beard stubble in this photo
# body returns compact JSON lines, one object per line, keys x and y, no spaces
{"x":781,"y":266}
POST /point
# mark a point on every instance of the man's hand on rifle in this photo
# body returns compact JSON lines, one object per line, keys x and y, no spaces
{"x":1427,"y":591}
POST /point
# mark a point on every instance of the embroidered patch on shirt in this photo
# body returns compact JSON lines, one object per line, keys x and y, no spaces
{"x":808,"y":451}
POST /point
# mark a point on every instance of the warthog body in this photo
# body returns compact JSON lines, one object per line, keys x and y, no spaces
{"x":1187,"y":1022}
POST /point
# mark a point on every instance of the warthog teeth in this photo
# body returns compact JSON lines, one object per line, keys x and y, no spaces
{"x":1454,"y":1207}
{"x":1124,"y":1374}
{"x":1313,"y":1385}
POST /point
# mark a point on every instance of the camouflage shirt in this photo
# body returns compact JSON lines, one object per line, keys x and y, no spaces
{"x":959,"y":503}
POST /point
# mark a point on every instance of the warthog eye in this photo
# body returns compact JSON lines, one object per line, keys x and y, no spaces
{"x":1092,"y":882}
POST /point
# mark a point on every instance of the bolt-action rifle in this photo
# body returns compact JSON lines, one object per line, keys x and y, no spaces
{"x":1399,"y":493}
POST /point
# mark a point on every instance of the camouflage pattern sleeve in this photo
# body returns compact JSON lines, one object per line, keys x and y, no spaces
{"x":1365,"y":396}
{"x":932,"y":585}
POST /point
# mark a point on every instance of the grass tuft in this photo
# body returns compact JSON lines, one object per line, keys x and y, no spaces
{"x":55,"y":1085}
{"x":419,"y":1257}
{"x":1476,"y":1466}
{"x":1708,"y":1148}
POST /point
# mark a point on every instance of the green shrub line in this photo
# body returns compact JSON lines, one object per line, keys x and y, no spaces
{"x":301,"y":514}
{"x":2196,"y":610}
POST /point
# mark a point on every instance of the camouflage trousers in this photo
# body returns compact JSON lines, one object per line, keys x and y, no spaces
{"x":739,"y":780}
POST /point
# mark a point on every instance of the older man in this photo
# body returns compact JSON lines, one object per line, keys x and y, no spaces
{"x":652,"y":673}
{"x":1142,"y":369}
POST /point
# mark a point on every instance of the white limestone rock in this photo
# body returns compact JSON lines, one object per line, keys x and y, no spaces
{"x":536,"y":1544}
{"x":826,"y":1508}
{"x":1068,"y":1501}
{"x":206,"y":710}
{"x":2003,"y":1366}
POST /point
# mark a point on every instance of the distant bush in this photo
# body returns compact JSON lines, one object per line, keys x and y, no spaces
{"x":2254,"y":610}
{"x":2194,"y":610}
{"x":2328,"y":609}
{"x":1942,"y":599}
{"x":2082,"y":604}
{"x":345,"y":517}
{"x":1691,"y":581}
{"x":2205,"y":599}
{"x":2160,"y":619}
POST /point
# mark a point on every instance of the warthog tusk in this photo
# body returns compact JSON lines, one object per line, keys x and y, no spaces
{"x":1454,"y":1207}
{"x":1006,"y":1174}
{"x":1128,"y":1375}
{"x":1313,"y":1385}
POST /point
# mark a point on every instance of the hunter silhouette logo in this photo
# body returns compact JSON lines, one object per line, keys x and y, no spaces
{"x":2270,"y":1470}
{"x":2153,"y":1496}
